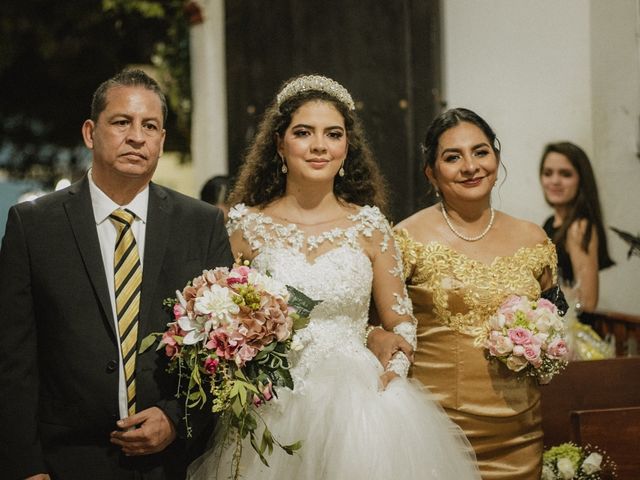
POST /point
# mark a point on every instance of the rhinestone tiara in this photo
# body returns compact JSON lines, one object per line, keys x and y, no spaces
{"x":318,"y":83}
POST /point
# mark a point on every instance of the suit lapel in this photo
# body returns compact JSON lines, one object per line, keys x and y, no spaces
{"x":80,"y":214}
{"x":156,"y":238}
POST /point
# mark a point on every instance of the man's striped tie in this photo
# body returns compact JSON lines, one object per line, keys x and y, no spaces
{"x":128,"y":280}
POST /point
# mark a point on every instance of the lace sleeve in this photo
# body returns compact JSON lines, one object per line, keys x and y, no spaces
{"x":390,"y":294}
{"x":406,"y":247}
{"x":547,"y":265}
{"x":239,"y":237}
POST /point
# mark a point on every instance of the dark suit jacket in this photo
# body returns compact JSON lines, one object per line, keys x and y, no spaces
{"x":59,"y":354}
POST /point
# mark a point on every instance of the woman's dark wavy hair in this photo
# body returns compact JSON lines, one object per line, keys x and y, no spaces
{"x":261,"y":181}
{"x":449,"y":119}
{"x":585,"y":205}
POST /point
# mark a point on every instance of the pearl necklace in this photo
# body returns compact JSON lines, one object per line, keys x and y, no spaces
{"x":464,"y":237}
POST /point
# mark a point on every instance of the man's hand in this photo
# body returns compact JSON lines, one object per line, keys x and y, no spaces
{"x":384,"y":344}
{"x":146,"y":432}
{"x":39,"y":476}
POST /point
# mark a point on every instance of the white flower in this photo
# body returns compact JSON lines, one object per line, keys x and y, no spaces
{"x":181,"y":299}
{"x":565,"y":467}
{"x":217,"y":302}
{"x":547,"y":473}
{"x":268,"y":284}
{"x":516,"y":363}
{"x":592,"y":463}
{"x":193,"y":327}
{"x":496,"y":322}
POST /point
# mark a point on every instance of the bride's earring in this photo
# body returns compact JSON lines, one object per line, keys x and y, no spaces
{"x":341,"y":171}
{"x":284,"y":168}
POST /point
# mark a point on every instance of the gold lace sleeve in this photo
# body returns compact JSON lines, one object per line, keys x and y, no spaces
{"x":548,"y":265}
{"x":407,"y":248}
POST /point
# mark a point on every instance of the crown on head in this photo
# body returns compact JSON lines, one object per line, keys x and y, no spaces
{"x":318,"y":83}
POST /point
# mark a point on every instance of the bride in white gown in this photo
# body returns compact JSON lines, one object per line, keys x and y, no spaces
{"x":303,"y":217}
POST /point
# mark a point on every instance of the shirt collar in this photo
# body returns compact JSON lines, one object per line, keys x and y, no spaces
{"x":103,"y":206}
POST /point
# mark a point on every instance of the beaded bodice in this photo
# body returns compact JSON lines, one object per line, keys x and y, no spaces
{"x":466,"y":292}
{"x":336,"y":266}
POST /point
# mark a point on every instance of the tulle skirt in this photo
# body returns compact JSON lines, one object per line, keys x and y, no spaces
{"x":350,"y":429}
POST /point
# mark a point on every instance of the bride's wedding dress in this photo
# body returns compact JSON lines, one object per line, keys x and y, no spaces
{"x":349,"y":427}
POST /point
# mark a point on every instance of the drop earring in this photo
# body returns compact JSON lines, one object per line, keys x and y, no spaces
{"x":284,"y":168}
{"x":341,"y":171}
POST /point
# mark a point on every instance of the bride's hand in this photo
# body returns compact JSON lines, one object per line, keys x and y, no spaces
{"x":384,"y":345}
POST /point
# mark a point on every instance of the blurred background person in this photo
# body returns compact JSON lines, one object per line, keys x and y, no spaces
{"x":215,"y":191}
{"x":577,"y":229}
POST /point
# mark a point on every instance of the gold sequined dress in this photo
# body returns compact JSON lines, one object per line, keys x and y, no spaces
{"x":452,"y":296}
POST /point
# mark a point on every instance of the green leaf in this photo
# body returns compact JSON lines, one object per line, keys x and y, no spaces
{"x":243,"y":394}
{"x":148,"y":341}
{"x":301,"y":302}
{"x":237,"y":408}
{"x":290,"y":449}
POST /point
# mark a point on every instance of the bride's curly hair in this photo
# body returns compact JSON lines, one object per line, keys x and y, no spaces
{"x":261,"y":181}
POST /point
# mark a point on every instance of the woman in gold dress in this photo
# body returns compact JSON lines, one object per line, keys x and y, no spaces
{"x":462,"y":259}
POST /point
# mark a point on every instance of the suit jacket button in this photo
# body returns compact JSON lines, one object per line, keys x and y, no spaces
{"x":112,"y":365}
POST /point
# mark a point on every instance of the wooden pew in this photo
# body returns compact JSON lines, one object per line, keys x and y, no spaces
{"x":625,"y":328}
{"x":616,"y":431}
{"x":588,"y":386}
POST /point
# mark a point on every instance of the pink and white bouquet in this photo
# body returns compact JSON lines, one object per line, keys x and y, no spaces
{"x":228,"y":343}
{"x":527,"y":336}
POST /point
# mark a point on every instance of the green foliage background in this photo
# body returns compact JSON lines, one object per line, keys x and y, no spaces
{"x":54,"y":54}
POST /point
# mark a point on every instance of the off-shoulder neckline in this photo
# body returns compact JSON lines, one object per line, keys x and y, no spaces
{"x":499,"y":258}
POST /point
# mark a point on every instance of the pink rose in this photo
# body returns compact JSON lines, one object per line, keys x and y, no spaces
{"x":500,"y":345}
{"x":519,"y":335}
{"x":245,"y":354}
{"x":171,"y":345}
{"x":225,"y":344}
{"x":545,"y":304}
{"x":558,"y":349}
{"x":266,"y":395}
{"x":511,"y":303}
{"x":532,"y":354}
{"x":267,"y":391}
{"x":178,"y":311}
{"x":239,"y":275}
{"x":211,"y":365}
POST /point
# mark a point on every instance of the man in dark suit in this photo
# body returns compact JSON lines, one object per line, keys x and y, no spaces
{"x":76,"y":399}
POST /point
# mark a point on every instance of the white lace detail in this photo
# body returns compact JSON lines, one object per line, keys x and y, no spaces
{"x":399,"y":363}
{"x":341,"y":277}
{"x":403,"y":305}
{"x":398,"y":269}
{"x":407,"y":330}
{"x":259,"y":229}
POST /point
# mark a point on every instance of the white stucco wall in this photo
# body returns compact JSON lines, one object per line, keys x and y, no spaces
{"x":615,"y":67}
{"x":546,"y":71}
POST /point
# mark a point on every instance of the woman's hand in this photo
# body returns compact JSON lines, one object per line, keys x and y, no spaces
{"x":386,"y":378}
{"x":384,"y":345}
